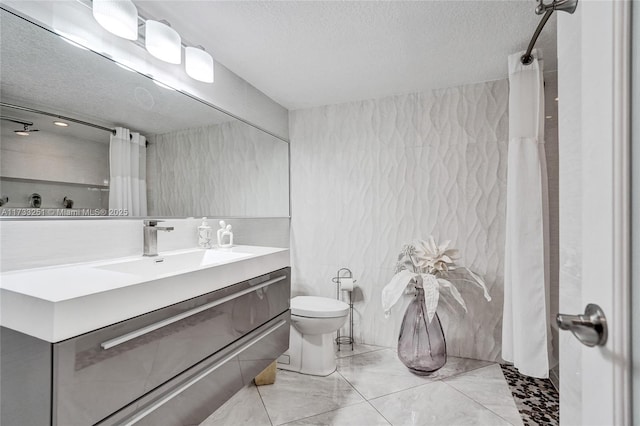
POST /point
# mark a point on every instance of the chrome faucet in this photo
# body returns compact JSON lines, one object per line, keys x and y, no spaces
{"x":151,"y":229}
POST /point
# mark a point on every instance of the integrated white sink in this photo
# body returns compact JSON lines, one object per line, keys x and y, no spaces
{"x":174,"y":262}
{"x":55,"y":303}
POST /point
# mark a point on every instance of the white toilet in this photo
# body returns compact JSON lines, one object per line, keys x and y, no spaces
{"x":314,"y":320}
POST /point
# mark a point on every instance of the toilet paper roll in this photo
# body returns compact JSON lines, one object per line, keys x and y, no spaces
{"x":346,"y":284}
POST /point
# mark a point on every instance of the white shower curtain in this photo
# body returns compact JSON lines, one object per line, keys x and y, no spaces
{"x":128,"y":171}
{"x":526,"y":336}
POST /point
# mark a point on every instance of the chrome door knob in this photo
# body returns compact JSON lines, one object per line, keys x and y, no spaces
{"x":590,"y":328}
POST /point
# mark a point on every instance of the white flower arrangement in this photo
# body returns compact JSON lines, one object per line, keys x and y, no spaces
{"x":425,"y":264}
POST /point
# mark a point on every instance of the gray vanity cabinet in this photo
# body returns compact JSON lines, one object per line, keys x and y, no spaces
{"x":173,"y":366}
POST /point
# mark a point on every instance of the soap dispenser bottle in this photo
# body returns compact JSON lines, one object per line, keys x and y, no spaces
{"x":205,"y":235}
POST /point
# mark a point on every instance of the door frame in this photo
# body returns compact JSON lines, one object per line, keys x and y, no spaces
{"x":635,"y":213}
{"x":606,"y":202}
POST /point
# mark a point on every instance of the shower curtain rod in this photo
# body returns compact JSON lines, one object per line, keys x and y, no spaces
{"x":527,"y":58}
{"x":62,"y":117}
{"x":546,"y":9}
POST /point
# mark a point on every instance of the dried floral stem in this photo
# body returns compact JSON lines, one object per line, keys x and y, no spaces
{"x":430,"y":263}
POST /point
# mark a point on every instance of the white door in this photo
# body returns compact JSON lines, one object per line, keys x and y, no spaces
{"x":593,"y":91}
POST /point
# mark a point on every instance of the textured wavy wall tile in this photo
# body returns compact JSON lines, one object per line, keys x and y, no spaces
{"x":370,"y":176}
{"x":229,"y":169}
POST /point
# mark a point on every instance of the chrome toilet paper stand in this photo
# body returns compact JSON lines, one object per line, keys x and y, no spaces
{"x":340,"y":339}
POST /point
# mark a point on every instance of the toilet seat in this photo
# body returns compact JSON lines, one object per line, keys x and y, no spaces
{"x":318,"y":307}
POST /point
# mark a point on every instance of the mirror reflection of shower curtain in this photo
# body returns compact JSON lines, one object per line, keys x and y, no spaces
{"x":128,"y":170}
{"x":526,"y":333}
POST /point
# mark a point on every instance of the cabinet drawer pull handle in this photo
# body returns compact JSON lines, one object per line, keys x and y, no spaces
{"x":152,"y":327}
{"x":159,"y":403}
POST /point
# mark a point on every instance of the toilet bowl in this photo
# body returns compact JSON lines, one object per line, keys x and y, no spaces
{"x":313,"y":322}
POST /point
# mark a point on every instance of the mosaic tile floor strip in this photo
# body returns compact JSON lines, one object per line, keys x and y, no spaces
{"x":536,"y":399}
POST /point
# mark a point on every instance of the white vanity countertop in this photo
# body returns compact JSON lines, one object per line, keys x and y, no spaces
{"x":59,"y":302}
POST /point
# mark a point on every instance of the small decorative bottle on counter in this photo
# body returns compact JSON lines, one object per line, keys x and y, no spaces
{"x":205,"y":235}
{"x":225,"y":235}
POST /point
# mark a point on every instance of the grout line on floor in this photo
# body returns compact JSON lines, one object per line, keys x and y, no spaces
{"x":263,"y":404}
{"x":319,"y":414}
{"x":363,"y":397}
{"x":421,"y":384}
{"x":351,"y":384}
{"x":475,"y":400}
{"x":378,"y":411}
{"x":379,"y":396}
{"x":405,"y":389}
{"x":378,"y":348}
{"x":478,"y":402}
{"x":472,"y":369}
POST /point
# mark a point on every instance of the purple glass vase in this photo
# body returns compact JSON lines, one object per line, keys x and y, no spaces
{"x":421,"y":344}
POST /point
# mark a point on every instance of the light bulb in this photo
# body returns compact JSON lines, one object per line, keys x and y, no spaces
{"x":198,"y":64}
{"x":163,"y":42}
{"x":119,"y":17}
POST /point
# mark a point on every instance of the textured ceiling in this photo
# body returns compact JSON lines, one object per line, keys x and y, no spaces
{"x":44,"y":125}
{"x":309,"y":53}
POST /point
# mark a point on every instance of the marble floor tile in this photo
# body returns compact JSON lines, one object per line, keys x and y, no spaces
{"x":435,"y":403}
{"x":379,"y":373}
{"x":359,"y":414}
{"x":294,"y":396}
{"x":488,"y":387}
{"x":244,"y":408}
{"x":455,"y":366}
{"x":358,"y":348}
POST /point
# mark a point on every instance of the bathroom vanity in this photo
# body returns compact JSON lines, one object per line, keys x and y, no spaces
{"x":149,"y":341}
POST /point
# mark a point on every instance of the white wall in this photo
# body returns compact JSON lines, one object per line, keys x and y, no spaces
{"x":570,"y":154}
{"x":36,"y":243}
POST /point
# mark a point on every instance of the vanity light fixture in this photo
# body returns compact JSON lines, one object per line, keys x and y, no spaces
{"x":21,"y":132}
{"x":198,"y":64}
{"x":119,"y":17}
{"x":163,"y":42}
{"x":61,"y":124}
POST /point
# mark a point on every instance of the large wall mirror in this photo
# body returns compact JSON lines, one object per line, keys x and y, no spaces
{"x":199,"y":160}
